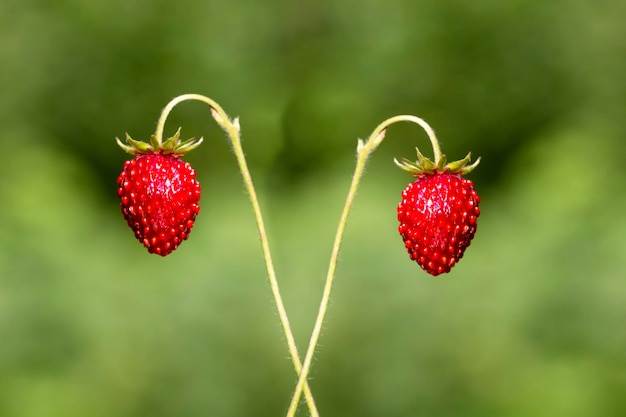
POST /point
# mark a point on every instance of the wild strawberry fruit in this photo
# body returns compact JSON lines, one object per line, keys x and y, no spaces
{"x":438,"y":212}
{"x":159,"y":192}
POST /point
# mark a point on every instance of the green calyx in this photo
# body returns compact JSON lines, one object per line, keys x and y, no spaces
{"x":424,"y":165}
{"x":172,"y":145}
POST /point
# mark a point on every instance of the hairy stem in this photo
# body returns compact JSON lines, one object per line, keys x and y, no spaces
{"x":364,"y":150}
{"x":232,"y":129}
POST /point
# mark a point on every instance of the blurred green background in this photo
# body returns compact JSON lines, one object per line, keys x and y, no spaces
{"x":532,"y":322}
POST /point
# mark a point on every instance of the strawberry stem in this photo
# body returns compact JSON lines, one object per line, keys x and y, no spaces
{"x":364,"y":150}
{"x":232,"y":129}
{"x":381,"y":128}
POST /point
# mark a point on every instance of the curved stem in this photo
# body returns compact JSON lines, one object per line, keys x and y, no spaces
{"x":232,"y":129}
{"x":414,"y":119}
{"x":364,"y":150}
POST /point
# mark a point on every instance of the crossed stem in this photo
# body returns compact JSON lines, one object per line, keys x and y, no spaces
{"x":364,"y":150}
{"x":232,"y":129}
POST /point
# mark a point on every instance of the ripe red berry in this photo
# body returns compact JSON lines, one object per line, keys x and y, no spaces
{"x":159,"y":193}
{"x":438,"y":212}
{"x":159,"y":199}
{"x":437,"y":217}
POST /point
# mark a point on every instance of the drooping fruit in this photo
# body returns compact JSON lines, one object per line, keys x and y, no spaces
{"x":438,"y":212}
{"x":159,"y":192}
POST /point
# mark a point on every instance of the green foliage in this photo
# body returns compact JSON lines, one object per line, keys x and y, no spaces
{"x":529,"y":322}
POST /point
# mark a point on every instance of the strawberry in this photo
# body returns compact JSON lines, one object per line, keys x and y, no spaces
{"x":438,"y":212}
{"x":159,"y":192}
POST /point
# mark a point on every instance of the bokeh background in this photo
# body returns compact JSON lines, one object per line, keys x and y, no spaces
{"x":532,"y":322}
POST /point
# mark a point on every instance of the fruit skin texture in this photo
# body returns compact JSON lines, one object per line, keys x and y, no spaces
{"x":437,"y":215}
{"x":159,"y":197}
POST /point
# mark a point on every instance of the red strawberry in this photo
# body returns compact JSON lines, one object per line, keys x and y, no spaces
{"x":438,"y":212}
{"x":159,"y":192}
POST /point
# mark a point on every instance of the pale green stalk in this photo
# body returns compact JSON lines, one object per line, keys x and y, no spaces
{"x":364,"y":150}
{"x":232,"y":129}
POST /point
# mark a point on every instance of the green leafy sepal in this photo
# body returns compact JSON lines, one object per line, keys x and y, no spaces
{"x":423,"y":165}
{"x":172,"y":145}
